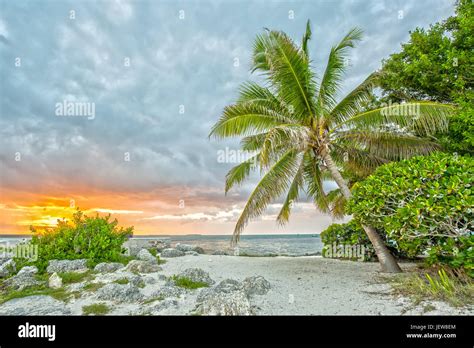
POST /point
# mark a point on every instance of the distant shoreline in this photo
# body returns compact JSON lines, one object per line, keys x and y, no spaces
{"x":316,"y":234}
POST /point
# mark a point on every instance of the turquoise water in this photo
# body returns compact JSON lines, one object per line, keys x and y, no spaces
{"x":252,"y":245}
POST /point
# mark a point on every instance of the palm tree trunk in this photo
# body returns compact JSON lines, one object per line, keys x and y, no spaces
{"x":386,"y":259}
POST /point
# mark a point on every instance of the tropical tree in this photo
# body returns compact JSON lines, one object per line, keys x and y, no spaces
{"x":301,"y":133}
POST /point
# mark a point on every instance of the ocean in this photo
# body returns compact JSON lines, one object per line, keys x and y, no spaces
{"x":249,"y":245}
{"x":253,"y":245}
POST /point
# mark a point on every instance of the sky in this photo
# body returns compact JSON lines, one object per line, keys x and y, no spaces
{"x":107,"y":105}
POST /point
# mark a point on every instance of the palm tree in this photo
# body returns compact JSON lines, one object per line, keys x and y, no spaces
{"x":300,"y":134}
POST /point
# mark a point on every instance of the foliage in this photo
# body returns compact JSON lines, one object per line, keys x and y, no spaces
{"x":94,"y":238}
{"x":95,"y":309}
{"x":122,"y":281}
{"x":437,"y":64}
{"x":444,"y":285}
{"x":93,"y":286}
{"x":460,"y":138}
{"x":302,"y":132}
{"x":73,"y":277}
{"x":351,"y":234}
{"x":187,"y":283}
{"x":7,"y":294}
{"x":424,"y":204}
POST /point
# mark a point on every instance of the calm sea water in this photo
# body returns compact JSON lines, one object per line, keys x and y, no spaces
{"x":255,"y":245}
{"x":252,"y":245}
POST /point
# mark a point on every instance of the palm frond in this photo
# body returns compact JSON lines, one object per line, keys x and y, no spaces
{"x":354,"y":159}
{"x":293,"y":193}
{"x":288,"y":135}
{"x":253,"y":93}
{"x":287,"y":69}
{"x":313,"y":177}
{"x":240,"y":172}
{"x":420,"y":118}
{"x":306,"y":38}
{"x":392,"y":146}
{"x":246,"y":119}
{"x":273,"y":184}
{"x":354,"y":101}
{"x":335,"y":68}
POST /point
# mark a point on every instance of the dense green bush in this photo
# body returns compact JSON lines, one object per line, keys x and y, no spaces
{"x":424,"y":204}
{"x":94,"y":238}
{"x":348,"y":234}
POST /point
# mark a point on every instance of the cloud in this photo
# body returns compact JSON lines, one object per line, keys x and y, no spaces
{"x":158,"y":84}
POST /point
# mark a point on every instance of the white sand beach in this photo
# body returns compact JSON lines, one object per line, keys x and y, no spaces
{"x":312,"y":285}
{"x":296,"y":286}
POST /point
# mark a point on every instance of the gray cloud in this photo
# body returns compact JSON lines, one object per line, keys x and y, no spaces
{"x":173,"y":62}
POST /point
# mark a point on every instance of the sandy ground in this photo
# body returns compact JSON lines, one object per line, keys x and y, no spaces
{"x":299,"y":286}
{"x":312,"y":285}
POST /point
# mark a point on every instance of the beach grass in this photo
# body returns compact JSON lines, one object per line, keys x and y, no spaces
{"x":59,"y":294}
{"x":96,"y":309}
{"x":456,"y":290}
{"x":187,"y":283}
{"x":93,"y":286}
{"x":74,"y":277}
{"x":122,"y":281}
{"x":153,"y":299}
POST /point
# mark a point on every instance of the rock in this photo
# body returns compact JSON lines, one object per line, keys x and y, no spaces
{"x":62,"y":266}
{"x":197,"y":275}
{"x":228,"y":285}
{"x":149,"y":280}
{"x":193,"y":253}
{"x":28,"y":271}
{"x":55,"y":281}
{"x":34,"y":305}
{"x":132,"y":250}
{"x":23,"y":279}
{"x":145,"y":255}
{"x":225,"y":303}
{"x":225,"y":286}
{"x":256,"y":285}
{"x":220,"y":252}
{"x":187,"y":247}
{"x":139,"y":266}
{"x":165,"y":304}
{"x":136,"y":281}
{"x":162,"y":245}
{"x":76,"y":286}
{"x":107,"y":267}
{"x":7,"y":267}
{"x":168,"y":290}
{"x":170,"y":252}
{"x":119,"y":293}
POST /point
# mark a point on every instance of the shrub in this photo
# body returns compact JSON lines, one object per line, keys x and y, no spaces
{"x":94,"y":238}
{"x":338,"y":236}
{"x":424,"y":205}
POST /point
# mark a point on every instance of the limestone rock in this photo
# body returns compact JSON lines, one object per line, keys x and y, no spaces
{"x":62,"y":266}
{"x":197,"y":275}
{"x":139,"y":266}
{"x":34,"y":305}
{"x":55,"y":281}
{"x":107,"y":267}
{"x":170,"y":252}
{"x":119,"y":293}
{"x":256,"y":285}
